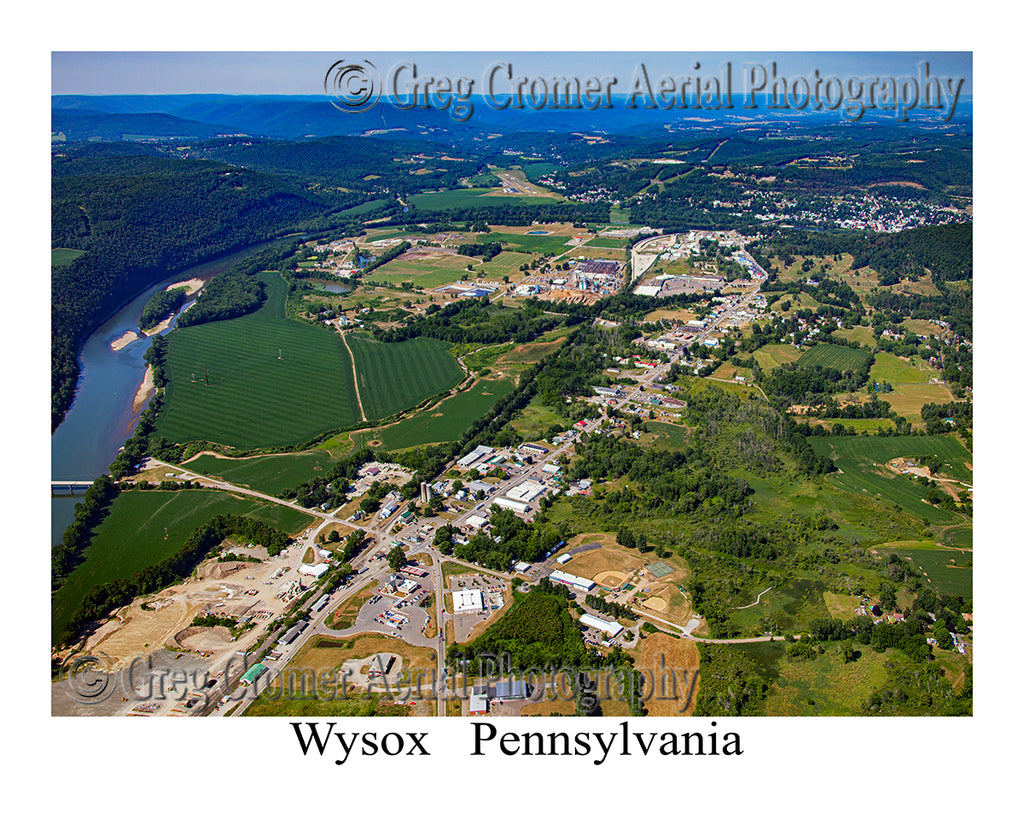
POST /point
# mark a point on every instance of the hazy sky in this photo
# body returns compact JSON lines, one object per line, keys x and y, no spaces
{"x":303,"y":72}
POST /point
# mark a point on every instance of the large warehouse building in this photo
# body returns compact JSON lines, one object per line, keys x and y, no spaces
{"x":571,"y":580}
{"x":609,"y":627}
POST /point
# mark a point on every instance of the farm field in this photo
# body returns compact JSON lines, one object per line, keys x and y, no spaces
{"x":506,"y":263}
{"x":948,"y":571}
{"x":265,"y":473}
{"x":858,"y":424}
{"x":911,"y":384}
{"x":835,"y":357}
{"x":862,"y":461}
{"x":772,"y":355}
{"x":261,"y":367}
{"x":895,"y":370}
{"x":862,"y":335}
{"x":445,"y":422}
{"x":426,"y":270}
{"x":393,"y":377}
{"x":61,"y":256}
{"x":608,"y":241}
{"x":145,"y":527}
{"x":547,"y":243}
{"x":473,"y":197}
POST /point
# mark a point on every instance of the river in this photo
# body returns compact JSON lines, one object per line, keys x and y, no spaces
{"x":101,"y":418}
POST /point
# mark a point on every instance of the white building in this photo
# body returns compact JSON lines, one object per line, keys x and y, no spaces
{"x":526,"y":491}
{"x":475,"y":455}
{"x":319,"y":570}
{"x":609,"y":627}
{"x":514,"y":505}
{"x":468,"y":601}
{"x":571,"y":580}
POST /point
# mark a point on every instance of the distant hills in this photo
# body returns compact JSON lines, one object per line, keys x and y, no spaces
{"x":82,"y":117}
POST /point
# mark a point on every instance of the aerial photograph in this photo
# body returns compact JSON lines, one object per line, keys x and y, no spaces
{"x":471,"y":384}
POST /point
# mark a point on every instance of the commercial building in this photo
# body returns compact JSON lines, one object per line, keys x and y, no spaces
{"x":254,"y":673}
{"x":571,"y":580}
{"x":467,"y":461}
{"x":514,"y":505}
{"x":526,"y":491}
{"x":319,"y":570}
{"x":476,"y":521}
{"x":478,"y":701}
{"x":467,"y":601}
{"x":563,"y":559}
{"x":609,"y":627}
{"x":511,"y":690}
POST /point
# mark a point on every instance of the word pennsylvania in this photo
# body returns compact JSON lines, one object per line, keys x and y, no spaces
{"x":487,"y":740}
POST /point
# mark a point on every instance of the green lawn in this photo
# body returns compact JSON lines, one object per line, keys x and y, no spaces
{"x":61,"y":256}
{"x":145,"y":527}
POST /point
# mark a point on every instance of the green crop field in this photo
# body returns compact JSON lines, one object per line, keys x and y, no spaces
{"x":772,"y":355}
{"x":506,"y":263}
{"x":272,"y":381}
{"x":144,"y":528}
{"x":862,"y":460}
{"x":608,"y":241}
{"x":548,"y":243}
{"x":393,"y":377}
{"x":61,"y":256}
{"x":446,"y":422}
{"x":265,"y":473}
{"x":278,"y":382}
{"x":835,"y":357}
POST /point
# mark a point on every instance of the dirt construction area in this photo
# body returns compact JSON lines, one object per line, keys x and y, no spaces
{"x":254,"y":593}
